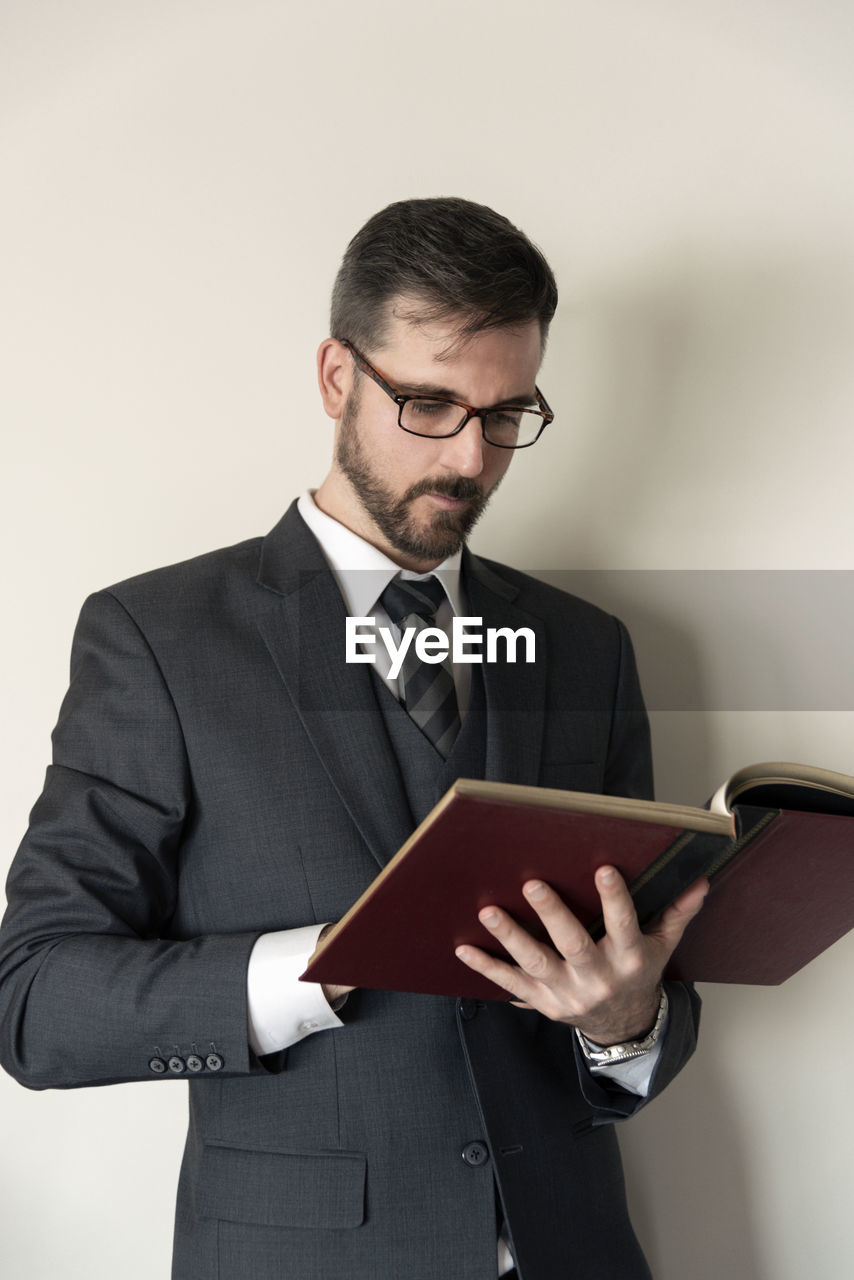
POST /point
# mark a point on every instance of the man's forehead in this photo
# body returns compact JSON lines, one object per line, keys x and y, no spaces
{"x":414,"y":322}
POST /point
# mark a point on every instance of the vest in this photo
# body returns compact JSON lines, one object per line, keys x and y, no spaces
{"x":426,"y":776}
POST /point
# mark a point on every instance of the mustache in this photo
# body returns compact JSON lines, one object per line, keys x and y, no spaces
{"x":463,"y":489}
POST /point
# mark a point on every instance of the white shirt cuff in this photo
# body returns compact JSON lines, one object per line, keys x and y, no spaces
{"x":635,"y":1075}
{"x":283,"y":1010}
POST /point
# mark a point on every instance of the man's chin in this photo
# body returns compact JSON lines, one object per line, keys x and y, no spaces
{"x":435,"y":539}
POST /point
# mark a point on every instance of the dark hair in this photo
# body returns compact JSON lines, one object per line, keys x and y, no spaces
{"x":454,"y":258}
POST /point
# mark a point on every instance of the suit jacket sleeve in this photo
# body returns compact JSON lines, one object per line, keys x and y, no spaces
{"x":91,"y":985}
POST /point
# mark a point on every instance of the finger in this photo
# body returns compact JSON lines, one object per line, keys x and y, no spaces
{"x":679,"y":915}
{"x":534,"y":958}
{"x":618,"y":911}
{"x":571,"y":940}
{"x":504,"y":975}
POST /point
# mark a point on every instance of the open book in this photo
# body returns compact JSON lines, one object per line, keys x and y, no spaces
{"x":777,"y":844}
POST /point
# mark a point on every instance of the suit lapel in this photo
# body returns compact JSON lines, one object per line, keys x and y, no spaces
{"x":515,"y":692}
{"x":336,"y":702}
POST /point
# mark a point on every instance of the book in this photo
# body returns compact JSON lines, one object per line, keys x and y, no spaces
{"x":776,"y":842}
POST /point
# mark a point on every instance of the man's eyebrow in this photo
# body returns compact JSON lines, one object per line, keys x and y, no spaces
{"x":446,"y":393}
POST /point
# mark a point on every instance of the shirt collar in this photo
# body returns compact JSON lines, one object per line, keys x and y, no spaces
{"x":361,"y":570}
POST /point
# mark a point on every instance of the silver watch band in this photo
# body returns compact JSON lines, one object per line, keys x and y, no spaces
{"x":599,"y":1057}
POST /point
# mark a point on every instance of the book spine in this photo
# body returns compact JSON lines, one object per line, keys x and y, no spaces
{"x":689,"y":856}
{"x":750,"y":820}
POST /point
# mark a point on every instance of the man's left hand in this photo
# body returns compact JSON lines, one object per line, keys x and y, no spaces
{"x":608,"y":989}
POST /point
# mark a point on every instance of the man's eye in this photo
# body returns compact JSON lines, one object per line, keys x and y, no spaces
{"x":430,"y":408}
{"x":506,"y":419}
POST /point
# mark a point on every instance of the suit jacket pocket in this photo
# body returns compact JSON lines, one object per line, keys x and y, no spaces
{"x":320,"y":1189}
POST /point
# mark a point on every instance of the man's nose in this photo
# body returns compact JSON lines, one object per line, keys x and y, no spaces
{"x":463,"y":453}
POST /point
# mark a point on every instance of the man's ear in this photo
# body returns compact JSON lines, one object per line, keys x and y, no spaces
{"x":334,"y":376}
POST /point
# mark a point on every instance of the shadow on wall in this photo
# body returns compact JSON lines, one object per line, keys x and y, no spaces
{"x":691,"y":1200}
{"x":737,"y":1139}
{"x":702,"y":410}
{"x":711,"y":640}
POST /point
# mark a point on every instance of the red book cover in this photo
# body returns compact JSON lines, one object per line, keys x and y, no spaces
{"x":769,"y":913}
{"x":782,"y":882}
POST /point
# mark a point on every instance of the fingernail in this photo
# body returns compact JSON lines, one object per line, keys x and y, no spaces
{"x":536,"y":890}
{"x":489,"y":918}
{"x":608,"y":875}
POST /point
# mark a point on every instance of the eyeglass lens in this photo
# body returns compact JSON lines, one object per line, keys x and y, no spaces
{"x":507,"y":427}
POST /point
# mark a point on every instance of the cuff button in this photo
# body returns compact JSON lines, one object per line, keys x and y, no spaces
{"x":214,"y":1062}
{"x":176,"y":1064}
{"x":157,"y":1065}
{"x":194,"y":1063}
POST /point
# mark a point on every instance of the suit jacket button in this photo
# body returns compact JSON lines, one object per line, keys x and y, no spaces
{"x":475,"y":1154}
{"x":468,"y":1008}
{"x":194,"y":1062}
{"x":176,"y":1064}
{"x":157,"y":1065}
{"x":213,"y":1062}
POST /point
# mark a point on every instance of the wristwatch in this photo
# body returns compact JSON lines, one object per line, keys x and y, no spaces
{"x":599,"y":1057}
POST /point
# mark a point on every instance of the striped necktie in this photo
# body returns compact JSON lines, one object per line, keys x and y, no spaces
{"x":427,"y":688}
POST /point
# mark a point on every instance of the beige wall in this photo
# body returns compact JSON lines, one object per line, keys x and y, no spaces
{"x":179,"y":181}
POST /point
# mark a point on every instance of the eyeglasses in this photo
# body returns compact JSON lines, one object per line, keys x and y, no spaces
{"x":507,"y":426}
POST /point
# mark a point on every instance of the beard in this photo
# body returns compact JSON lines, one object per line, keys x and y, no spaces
{"x":435,"y":539}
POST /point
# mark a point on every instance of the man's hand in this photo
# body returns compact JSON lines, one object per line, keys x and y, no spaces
{"x":607,"y":989}
{"x":335,"y":995}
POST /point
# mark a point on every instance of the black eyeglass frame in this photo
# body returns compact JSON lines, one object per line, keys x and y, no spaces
{"x":471,"y":410}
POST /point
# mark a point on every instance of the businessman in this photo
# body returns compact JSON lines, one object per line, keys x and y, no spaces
{"x":225,"y":784}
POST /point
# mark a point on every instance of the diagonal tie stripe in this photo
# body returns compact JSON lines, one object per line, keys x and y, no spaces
{"x":403,"y":597}
{"x":428,"y":691}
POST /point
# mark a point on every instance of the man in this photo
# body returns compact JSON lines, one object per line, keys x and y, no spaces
{"x":224,"y":784}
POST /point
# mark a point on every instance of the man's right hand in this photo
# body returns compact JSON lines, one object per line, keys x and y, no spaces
{"x":335,"y":995}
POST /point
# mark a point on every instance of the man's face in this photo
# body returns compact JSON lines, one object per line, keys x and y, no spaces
{"x":417,"y":498}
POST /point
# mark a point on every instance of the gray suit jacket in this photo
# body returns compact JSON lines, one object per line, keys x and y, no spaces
{"x":220,"y":772}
